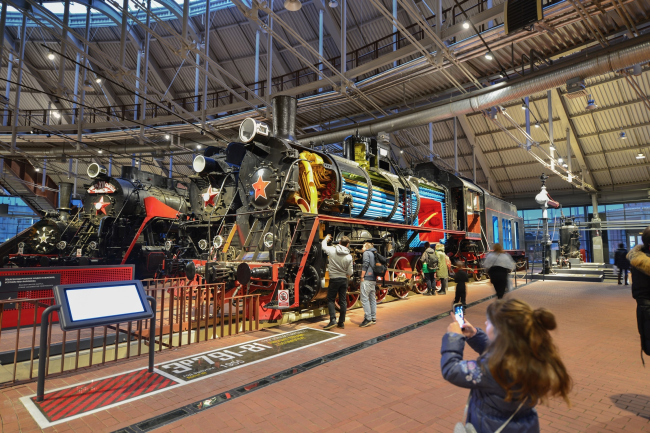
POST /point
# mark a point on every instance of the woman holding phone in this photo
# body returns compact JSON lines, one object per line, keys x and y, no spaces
{"x":518,"y":367}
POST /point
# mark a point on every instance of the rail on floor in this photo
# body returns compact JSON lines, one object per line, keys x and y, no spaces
{"x":187,"y":313}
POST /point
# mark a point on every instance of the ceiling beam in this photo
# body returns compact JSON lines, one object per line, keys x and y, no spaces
{"x":480,"y":157}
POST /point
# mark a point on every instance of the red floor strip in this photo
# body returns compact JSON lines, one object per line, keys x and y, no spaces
{"x":65,"y":403}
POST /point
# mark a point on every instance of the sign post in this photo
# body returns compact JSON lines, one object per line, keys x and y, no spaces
{"x":83,"y":306}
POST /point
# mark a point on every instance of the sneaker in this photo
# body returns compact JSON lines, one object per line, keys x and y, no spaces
{"x":330,"y":325}
{"x":374,"y":321}
{"x":365,"y":323}
{"x":442,"y":293}
{"x":341,"y":325}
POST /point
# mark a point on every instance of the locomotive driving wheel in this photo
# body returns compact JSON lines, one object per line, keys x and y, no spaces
{"x":401,"y":264}
{"x":380,"y":294}
{"x":352,"y":297}
{"x":419,"y":285}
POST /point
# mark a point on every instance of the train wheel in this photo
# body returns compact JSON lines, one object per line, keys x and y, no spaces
{"x":419,"y":284}
{"x":380,"y":294}
{"x":352,"y":299}
{"x":400,"y":264}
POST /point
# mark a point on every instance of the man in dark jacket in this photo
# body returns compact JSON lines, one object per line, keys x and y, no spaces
{"x":368,"y":283}
{"x":639,"y":259}
{"x":621,"y":262}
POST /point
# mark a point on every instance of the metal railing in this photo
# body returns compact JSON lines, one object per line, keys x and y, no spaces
{"x":186,"y":314}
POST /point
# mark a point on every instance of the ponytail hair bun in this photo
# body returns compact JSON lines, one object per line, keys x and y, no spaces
{"x":544,"y":318}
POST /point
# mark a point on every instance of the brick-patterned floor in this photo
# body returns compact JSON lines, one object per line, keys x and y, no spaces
{"x":396,"y":385}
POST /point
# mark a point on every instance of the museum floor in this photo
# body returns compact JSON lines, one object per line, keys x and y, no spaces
{"x":391,"y":382}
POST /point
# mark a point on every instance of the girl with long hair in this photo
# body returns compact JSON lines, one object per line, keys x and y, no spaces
{"x":519,"y":366}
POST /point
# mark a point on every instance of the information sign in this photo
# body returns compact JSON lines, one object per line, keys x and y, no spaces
{"x":24,"y":283}
{"x":283,"y":298}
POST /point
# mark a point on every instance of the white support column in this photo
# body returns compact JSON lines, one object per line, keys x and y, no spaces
{"x":76,"y":88}
{"x":206,"y":40}
{"x":84,"y":75}
{"x":171,"y":163}
{"x":321,"y":33}
{"x":76,"y":175}
{"x":489,"y":6}
{"x":438,"y":12}
{"x":528,"y":143}
{"x":395,"y":30}
{"x":549,"y":96}
{"x":147,"y":38}
{"x":64,"y":41}
{"x":110,"y":165}
{"x":344,"y":41}
{"x":21,"y":62}
{"x":137,"y":84}
{"x":596,"y":238}
{"x":139,"y":161}
{"x":43,"y":180}
{"x":430,"y":141}
{"x":133,"y":160}
{"x":456,"y":145}
{"x":568,"y":153}
{"x":3,"y":22}
{"x":186,"y":17}
{"x":124,"y":32}
{"x":69,"y":168}
{"x":474,"y":163}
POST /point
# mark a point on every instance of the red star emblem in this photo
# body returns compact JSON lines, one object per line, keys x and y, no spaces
{"x":260,"y":187}
{"x":101,"y":205}
{"x":208,"y":196}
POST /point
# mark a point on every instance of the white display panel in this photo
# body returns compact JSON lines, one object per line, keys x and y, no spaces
{"x":107,"y":301}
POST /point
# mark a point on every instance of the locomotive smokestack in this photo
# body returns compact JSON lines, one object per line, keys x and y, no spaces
{"x":284,"y":117}
{"x":65,"y":192}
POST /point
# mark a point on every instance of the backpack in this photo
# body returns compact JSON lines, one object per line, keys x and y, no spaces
{"x":379,"y":267}
{"x":431,"y":261}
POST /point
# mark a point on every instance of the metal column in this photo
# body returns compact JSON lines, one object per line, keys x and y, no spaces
{"x":321,"y":33}
{"x":257,"y":61}
{"x":76,"y":88}
{"x":269,"y":57}
{"x":171,"y":162}
{"x":438,"y":12}
{"x":186,"y":17}
{"x":456,"y":144}
{"x":568,"y":153}
{"x":125,"y":9}
{"x":21,"y":60}
{"x":147,"y":37}
{"x":596,"y":238}
{"x":344,"y":41}
{"x":76,"y":174}
{"x":196,"y":82}
{"x":3,"y":21}
{"x":84,"y":74}
{"x":10,"y":64}
{"x":110,"y":165}
{"x":64,"y":42}
{"x":206,"y":40}
{"x":474,"y":162}
{"x":137,"y":84}
{"x":430,"y":141}
{"x":549,"y":96}
{"x":394,"y":30}
{"x":44,"y":175}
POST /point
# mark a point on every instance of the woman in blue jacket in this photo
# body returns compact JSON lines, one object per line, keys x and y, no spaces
{"x":518,"y":367}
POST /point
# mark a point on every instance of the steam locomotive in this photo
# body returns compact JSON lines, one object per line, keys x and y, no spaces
{"x":268,"y":202}
{"x":128,"y":219}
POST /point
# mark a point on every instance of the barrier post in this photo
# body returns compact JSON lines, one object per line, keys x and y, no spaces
{"x":152,"y":332}
{"x":42,"y":350}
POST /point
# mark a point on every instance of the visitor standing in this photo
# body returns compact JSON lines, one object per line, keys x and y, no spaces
{"x":621,"y":262}
{"x":498,"y":265}
{"x":429,"y":267}
{"x":442,"y":273}
{"x":368,"y":283}
{"x":505,"y":382}
{"x":640,"y":263}
{"x":461,"y":278}
{"x":340,"y":269}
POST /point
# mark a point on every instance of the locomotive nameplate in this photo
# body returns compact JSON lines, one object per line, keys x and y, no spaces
{"x":218,"y":361}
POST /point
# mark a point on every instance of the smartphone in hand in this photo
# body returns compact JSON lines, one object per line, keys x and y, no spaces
{"x":459,"y":314}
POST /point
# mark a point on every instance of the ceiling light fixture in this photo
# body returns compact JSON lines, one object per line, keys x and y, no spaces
{"x":466,"y":25}
{"x":56,"y":114}
{"x":552,"y":147}
{"x":401,"y":151}
{"x":333,"y":4}
{"x":51,"y":55}
{"x":166,"y":136}
{"x":489,"y":55}
{"x":523,"y":107}
{"x":564,"y":165}
{"x":536,"y":124}
{"x":100,"y":151}
{"x":640,"y":156}
{"x":37,"y":169}
{"x":198,"y":146}
{"x":87,"y":86}
{"x":98,"y":80}
{"x":591,"y":103}
{"x":622,"y":136}
{"x":560,"y":160}
{"x":292,"y":5}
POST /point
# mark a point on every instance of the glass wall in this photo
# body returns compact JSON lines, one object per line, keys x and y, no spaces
{"x":628,"y":212}
{"x":15,"y":216}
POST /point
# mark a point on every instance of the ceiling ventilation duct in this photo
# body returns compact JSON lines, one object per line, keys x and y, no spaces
{"x":521,"y":14}
{"x":575,"y":88}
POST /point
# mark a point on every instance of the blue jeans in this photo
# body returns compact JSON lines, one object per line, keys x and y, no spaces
{"x":368,"y":299}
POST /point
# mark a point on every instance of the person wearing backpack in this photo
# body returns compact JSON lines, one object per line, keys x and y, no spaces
{"x":639,"y":258}
{"x":442,"y":272}
{"x":621,"y":262}
{"x":368,"y":283}
{"x":429,"y":267}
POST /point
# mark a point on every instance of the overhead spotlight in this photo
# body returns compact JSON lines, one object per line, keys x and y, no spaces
{"x":489,"y":55}
{"x":552,"y":147}
{"x":51,"y":55}
{"x":466,"y":25}
{"x":198,"y":146}
{"x":292,"y":5}
{"x":401,"y":151}
{"x":100,"y":151}
{"x":622,"y":136}
{"x":31,"y":131}
{"x":166,"y":136}
{"x":536,"y":124}
{"x":56,"y":114}
{"x":98,"y":80}
{"x":333,"y":4}
{"x":502,"y":74}
{"x":523,"y":106}
{"x":560,"y":160}
{"x":640,"y":156}
{"x":591,"y":103}
{"x":87,"y":86}
{"x":37,"y":169}
{"x":565,"y":165}
{"x":48,"y":135}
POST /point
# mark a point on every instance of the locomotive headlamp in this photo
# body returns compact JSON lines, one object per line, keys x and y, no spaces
{"x":21,"y":245}
{"x":251,"y":129}
{"x":203,"y":244}
{"x":203,"y":164}
{"x":61,"y":245}
{"x":94,"y":170}
{"x":168,"y":245}
{"x":268,"y":240}
{"x":217,"y":241}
